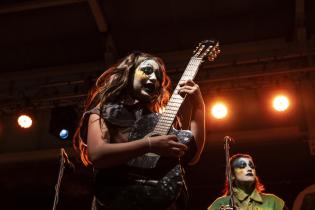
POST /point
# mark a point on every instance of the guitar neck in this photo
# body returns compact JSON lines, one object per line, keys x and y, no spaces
{"x":167,"y":118}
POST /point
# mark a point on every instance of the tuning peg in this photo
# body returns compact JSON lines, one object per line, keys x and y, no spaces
{"x":196,"y":48}
{"x":217,"y":50}
{"x":210,"y":58}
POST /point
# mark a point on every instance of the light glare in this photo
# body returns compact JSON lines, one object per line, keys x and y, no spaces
{"x":64,"y":133}
{"x":281,"y":103}
{"x":25,"y":121}
{"x":219,"y":111}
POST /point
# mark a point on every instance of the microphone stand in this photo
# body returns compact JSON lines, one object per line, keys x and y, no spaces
{"x":231,"y":206}
{"x":64,"y":163}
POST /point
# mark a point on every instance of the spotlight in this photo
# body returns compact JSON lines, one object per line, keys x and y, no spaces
{"x":25,"y":121}
{"x":64,"y":133}
{"x":219,"y":110}
{"x":280,"y":103}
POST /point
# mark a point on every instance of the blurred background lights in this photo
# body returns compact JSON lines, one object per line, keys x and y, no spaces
{"x":219,"y":110}
{"x":280,"y":103}
{"x":64,"y":133}
{"x":25,"y":121}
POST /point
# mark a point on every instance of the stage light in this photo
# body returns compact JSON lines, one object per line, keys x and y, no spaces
{"x":280,"y":103}
{"x":24,"y":121}
{"x":63,"y":122}
{"x":64,"y":134}
{"x":219,"y":110}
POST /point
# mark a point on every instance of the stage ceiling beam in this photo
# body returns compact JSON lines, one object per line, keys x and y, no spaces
{"x":98,"y":15}
{"x":38,"y":4}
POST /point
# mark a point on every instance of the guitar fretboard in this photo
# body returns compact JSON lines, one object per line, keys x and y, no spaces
{"x":167,"y":118}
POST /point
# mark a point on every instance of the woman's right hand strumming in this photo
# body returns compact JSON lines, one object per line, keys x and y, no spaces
{"x":166,"y":145}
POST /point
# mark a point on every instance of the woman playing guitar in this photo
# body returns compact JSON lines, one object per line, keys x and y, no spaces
{"x":137,"y":164}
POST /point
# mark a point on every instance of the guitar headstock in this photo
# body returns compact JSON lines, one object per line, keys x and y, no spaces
{"x":207,"y":48}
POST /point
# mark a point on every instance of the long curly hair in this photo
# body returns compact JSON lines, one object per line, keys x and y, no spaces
{"x":258,"y":185}
{"x":113,"y":84}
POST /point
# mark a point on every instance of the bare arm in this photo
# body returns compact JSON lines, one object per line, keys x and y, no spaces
{"x":193,"y":115}
{"x":103,"y":154}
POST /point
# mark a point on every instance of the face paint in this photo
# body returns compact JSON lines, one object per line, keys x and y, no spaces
{"x":244,"y":169}
{"x":147,"y":79}
{"x":149,"y":69}
{"x":240,"y":163}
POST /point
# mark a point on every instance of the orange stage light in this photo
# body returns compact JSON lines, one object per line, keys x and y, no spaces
{"x":24,"y":121}
{"x":280,"y":103}
{"x":219,"y":110}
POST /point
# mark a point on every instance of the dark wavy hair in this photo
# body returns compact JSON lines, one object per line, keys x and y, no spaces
{"x":113,"y":84}
{"x":258,"y":185}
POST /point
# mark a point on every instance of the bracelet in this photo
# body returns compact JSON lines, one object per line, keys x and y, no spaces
{"x":149,"y":141}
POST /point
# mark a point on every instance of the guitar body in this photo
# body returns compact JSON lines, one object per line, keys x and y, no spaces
{"x":165,"y":173}
{"x":145,"y":127}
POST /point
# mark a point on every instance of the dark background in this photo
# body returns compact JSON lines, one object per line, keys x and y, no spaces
{"x":52,"y":51}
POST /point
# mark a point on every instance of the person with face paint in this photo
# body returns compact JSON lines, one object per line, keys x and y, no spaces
{"x":247,"y":189}
{"x":130,"y":90}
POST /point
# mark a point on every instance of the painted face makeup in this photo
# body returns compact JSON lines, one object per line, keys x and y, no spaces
{"x":149,"y":69}
{"x":244,"y":169}
{"x":147,"y":79}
